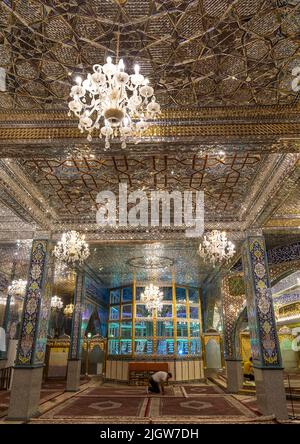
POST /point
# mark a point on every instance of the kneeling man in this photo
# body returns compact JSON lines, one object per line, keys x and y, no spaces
{"x":157,"y":382}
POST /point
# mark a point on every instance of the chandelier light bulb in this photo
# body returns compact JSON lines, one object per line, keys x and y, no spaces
{"x":113,"y":102}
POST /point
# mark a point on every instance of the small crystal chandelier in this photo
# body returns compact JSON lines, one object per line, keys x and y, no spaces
{"x":72,"y":248}
{"x":56,"y":302}
{"x":215,"y":247}
{"x":118,"y":104}
{"x":152,"y":298}
{"x":17,"y":288}
{"x":68,"y":311}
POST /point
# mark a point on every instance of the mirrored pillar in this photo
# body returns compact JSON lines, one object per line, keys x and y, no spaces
{"x":265,"y":348}
{"x":28,"y":370}
{"x":74,"y":358}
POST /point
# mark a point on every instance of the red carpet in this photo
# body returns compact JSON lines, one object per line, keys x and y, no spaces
{"x":81,"y":406}
{"x":194,"y":390}
{"x":208,"y":405}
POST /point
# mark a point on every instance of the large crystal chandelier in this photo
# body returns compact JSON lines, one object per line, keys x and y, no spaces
{"x":215,"y":247}
{"x":72,"y":248}
{"x":118,"y":104}
{"x":152,"y":297}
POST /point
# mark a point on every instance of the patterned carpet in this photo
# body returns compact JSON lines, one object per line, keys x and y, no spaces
{"x":46,"y":395}
{"x":121,"y":404}
{"x":195,"y":390}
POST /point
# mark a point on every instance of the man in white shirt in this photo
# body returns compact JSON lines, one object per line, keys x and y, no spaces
{"x":157,"y":382}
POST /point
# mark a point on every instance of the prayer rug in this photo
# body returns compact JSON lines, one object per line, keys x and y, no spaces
{"x":86,"y":406}
{"x":206,"y":406}
{"x":196,"y":390}
{"x":125,"y":392}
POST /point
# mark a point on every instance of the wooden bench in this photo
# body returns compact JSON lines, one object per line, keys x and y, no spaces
{"x":140,"y":372}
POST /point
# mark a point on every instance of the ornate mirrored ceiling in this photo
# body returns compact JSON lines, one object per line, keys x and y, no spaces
{"x":196,"y":53}
{"x":117,"y":264}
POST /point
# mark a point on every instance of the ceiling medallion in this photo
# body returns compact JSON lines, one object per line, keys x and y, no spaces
{"x":151,"y":262}
{"x":72,"y":249}
{"x":215,"y":247}
{"x":115,"y":102}
{"x":152,"y":297}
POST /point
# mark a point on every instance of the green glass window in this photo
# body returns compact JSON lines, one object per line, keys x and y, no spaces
{"x":195,"y":329}
{"x":113,"y":330}
{"x":143,"y":329}
{"x":182,"y":329}
{"x":165,"y":329}
{"x":114,"y":312}
{"x":126,"y":330}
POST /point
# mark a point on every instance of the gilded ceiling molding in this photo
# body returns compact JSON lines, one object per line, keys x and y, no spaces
{"x":18,"y":175}
{"x":21,"y":201}
{"x":281,"y":181}
{"x":204,"y":131}
{"x":271,"y":113}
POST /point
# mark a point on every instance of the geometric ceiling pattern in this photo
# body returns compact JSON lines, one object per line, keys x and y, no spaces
{"x":196,"y":53}
{"x":115,"y":263}
{"x":70,"y":186}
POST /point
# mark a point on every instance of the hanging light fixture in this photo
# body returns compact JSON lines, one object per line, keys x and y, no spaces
{"x":56,"y":302}
{"x":215,"y":247}
{"x":72,"y":248}
{"x":117,"y":104}
{"x":152,"y":297}
{"x":68,"y":311}
{"x":17,"y":288}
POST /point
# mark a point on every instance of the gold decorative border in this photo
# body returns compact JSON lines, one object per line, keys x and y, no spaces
{"x":205,"y":130}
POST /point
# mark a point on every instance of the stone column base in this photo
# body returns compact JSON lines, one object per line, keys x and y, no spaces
{"x":73,"y":375}
{"x":270,"y":392}
{"x":234,"y":375}
{"x":25,"y":393}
